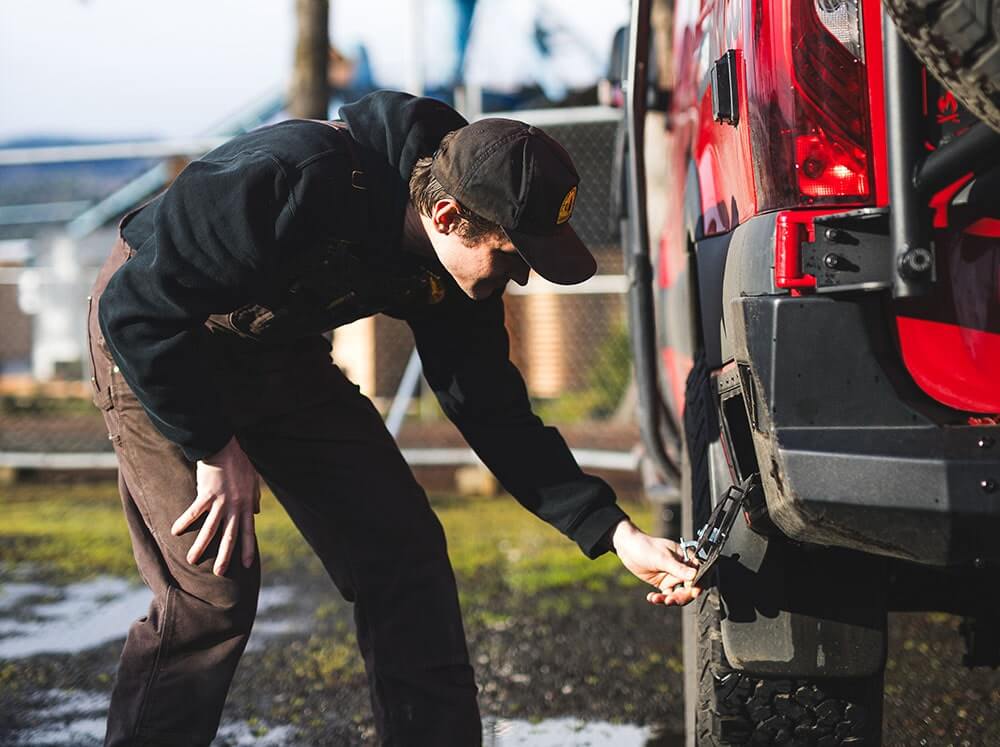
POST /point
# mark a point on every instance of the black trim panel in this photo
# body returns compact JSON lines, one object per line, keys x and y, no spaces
{"x":710,"y":255}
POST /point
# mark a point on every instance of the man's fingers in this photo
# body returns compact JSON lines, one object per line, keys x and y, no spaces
{"x":676,"y":567}
{"x":667,"y":583}
{"x":226,"y":546}
{"x":659,"y":597}
{"x":679,"y":596}
{"x":206,"y":534}
{"x":673,"y":590}
{"x":198,"y":506}
{"x":683,"y":595}
{"x":248,"y":541}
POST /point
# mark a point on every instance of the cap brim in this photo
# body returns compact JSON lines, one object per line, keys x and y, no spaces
{"x":559,"y":257}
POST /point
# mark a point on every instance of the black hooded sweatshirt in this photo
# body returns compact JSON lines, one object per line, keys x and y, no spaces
{"x":222,"y":237}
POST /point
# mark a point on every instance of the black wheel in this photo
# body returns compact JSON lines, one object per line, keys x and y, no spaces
{"x":959,"y":42}
{"x":728,"y":707}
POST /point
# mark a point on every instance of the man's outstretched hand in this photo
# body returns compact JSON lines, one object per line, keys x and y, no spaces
{"x":229,"y":490}
{"x":658,"y":562}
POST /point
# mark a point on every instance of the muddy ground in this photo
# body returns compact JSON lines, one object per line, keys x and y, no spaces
{"x":567,"y":651}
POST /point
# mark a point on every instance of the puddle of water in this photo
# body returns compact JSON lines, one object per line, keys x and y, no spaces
{"x":82,"y":732}
{"x":90,"y":613}
{"x":265,"y":629}
{"x":238,"y":735}
{"x":85,"y":615}
{"x":12,"y":594}
{"x":65,"y":717}
{"x":562,"y":732}
{"x":274,"y":596}
{"x":289,"y":622}
{"x":62,"y":704}
{"x":78,"y":719}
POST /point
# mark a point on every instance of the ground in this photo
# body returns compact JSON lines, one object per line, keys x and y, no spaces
{"x":551,"y":634}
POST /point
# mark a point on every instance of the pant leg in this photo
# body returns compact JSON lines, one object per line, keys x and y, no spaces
{"x":179,"y":659}
{"x":343,"y":481}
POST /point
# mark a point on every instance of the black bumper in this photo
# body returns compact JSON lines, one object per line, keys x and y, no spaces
{"x":851,"y":452}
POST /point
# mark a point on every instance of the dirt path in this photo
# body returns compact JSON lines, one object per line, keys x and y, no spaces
{"x":537,"y":658}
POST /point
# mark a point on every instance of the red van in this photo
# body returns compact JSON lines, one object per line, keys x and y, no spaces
{"x":816,"y":329}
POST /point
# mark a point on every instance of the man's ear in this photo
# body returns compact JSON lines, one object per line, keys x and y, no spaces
{"x":445,"y":215}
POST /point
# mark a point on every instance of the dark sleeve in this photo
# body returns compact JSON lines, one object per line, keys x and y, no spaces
{"x":215,"y":238}
{"x":464,"y":350}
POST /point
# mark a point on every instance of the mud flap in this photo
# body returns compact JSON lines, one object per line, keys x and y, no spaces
{"x":800,"y":610}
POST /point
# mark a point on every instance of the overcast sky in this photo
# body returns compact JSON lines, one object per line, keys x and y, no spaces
{"x":115,"y":68}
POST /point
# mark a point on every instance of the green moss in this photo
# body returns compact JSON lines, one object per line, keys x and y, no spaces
{"x":322,"y":662}
{"x":9,"y":677}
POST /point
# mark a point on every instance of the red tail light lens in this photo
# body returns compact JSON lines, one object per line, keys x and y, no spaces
{"x":828,"y":170}
{"x":829,"y":81}
{"x":812,"y":139}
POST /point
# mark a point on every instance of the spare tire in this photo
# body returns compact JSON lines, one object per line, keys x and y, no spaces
{"x":959,"y":42}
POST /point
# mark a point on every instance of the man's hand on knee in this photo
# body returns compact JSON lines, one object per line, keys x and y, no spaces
{"x":229,"y":490}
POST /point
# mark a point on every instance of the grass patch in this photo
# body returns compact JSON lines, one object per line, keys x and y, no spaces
{"x":74,"y":532}
{"x":36,"y":404}
{"x":71,"y":532}
{"x":497,"y":547}
{"x":67,"y":532}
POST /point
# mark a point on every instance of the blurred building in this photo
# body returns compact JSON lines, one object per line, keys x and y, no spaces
{"x":513,"y":49}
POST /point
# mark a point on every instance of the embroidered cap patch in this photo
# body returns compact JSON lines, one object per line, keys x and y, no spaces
{"x":566,"y":209}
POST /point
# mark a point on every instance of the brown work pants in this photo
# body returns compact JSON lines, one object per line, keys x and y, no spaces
{"x":322,"y":448}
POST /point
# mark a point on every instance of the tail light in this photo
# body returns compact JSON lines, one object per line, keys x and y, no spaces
{"x":843,"y":20}
{"x":809,"y":85}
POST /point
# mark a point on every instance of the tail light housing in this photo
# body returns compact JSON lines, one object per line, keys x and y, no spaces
{"x":808,"y":92}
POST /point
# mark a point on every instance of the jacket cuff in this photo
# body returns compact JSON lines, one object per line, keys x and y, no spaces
{"x":202,"y":450}
{"x":592,"y":535}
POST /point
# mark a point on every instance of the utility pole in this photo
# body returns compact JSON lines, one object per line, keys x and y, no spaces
{"x":309,"y":95}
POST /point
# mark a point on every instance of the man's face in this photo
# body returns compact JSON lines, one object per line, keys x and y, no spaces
{"x":480,"y":268}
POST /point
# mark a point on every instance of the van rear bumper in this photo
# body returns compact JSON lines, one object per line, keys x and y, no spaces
{"x":851,"y":452}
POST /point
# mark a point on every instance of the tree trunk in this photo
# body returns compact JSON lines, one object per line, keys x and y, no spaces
{"x":309,"y":94}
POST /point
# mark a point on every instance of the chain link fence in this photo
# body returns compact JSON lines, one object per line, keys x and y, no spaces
{"x":571,"y":344}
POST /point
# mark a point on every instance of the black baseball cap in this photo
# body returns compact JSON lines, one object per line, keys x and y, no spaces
{"x":518,"y":177}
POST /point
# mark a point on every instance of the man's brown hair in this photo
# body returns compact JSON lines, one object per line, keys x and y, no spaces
{"x":425,"y":191}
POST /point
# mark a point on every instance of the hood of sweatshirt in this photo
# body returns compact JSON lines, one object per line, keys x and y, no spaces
{"x":394,"y":130}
